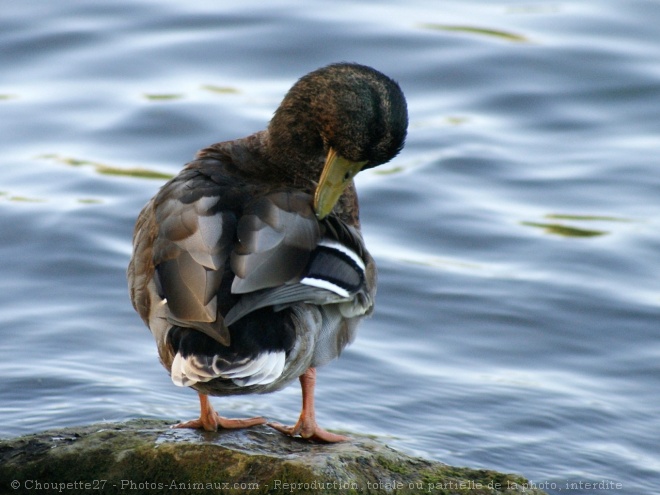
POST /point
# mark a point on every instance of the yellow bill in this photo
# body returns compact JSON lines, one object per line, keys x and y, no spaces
{"x":337,"y":174}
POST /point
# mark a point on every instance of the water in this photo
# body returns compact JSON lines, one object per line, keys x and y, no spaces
{"x":517,"y":234}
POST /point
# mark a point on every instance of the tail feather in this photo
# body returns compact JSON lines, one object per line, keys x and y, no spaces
{"x":263,"y":369}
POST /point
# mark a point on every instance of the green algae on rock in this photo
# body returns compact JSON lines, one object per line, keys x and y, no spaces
{"x":146,"y":456}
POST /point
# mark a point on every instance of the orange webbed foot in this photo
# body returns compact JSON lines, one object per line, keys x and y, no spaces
{"x":306,"y":426}
{"x":217,"y":421}
{"x":210,"y":420}
{"x":309,"y":431}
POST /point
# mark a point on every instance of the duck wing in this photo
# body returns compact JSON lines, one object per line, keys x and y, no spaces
{"x":333,"y":269}
{"x":195,"y":235}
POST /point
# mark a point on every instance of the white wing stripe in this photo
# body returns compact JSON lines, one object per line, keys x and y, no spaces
{"x":329,"y":243}
{"x":325,"y":284}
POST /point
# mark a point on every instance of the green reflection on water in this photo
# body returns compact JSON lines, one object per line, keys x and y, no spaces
{"x":4,"y":195}
{"x":389,"y":171}
{"x":19,"y":199}
{"x":220,"y":89}
{"x":164,"y":96}
{"x":586,"y":218}
{"x":494,"y":33}
{"x":565,"y":230}
{"x":570,"y":231}
{"x":22,"y":199}
{"x":456,"y":120}
{"x":132,"y":172}
{"x":104,"y":169}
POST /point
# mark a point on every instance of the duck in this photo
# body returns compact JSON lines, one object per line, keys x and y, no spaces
{"x":249,"y":267}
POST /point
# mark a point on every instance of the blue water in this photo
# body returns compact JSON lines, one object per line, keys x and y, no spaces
{"x":517,"y":235}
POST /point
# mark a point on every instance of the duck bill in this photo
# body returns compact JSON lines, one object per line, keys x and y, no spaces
{"x":336,"y":176}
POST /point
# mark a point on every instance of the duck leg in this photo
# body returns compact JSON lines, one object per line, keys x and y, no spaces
{"x":306,"y":426}
{"x":210,"y":420}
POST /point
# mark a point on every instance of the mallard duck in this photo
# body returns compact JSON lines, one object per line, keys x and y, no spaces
{"x":249,"y":267}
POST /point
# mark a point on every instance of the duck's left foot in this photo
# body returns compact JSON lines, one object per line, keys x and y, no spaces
{"x":210,"y":420}
{"x":309,"y":431}
{"x":215,"y":422}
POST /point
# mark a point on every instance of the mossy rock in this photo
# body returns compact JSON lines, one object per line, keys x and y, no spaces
{"x":146,"y":456}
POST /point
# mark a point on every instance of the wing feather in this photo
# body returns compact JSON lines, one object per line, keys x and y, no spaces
{"x":190,"y":254}
{"x":276,"y":235}
{"x":285,"y":256}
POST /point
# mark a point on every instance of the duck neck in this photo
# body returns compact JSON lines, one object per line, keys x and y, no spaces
{"x":289,"y":162}
{"x":295,"y":148}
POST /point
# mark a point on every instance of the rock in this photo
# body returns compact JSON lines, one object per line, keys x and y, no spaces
{"x":146,"y":456}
